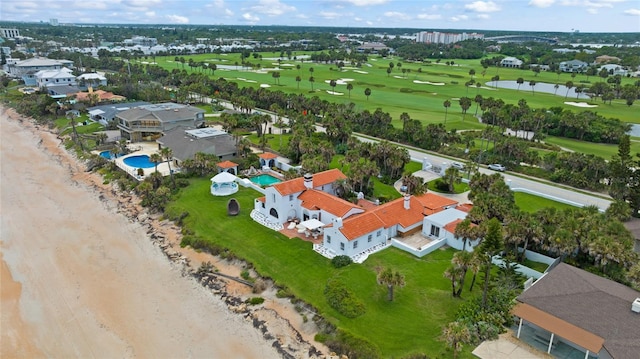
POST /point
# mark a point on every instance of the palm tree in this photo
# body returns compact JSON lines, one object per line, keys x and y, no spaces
{"x":519,"y":81}
{"x":311,"y":80}
{"x":451,"y":177}
{"x":455,"y":334}
{"x":367,"y":92}
{"x":391,"y":279}
{"x":167,"y":153}
{"x":454,"y":274}
{"x":298,"y":79}
{"x":532,"y":83}
{"x":333,"y":84}
{"x":446,"y":104}
{"x":490,"y":246}
{"x":465,"y":103}
{"x":155,"y":158}
{"x":568,"y":85}
{"x":472,"y":72}
{"x":349,"y":88}
{"x":555,"y":89}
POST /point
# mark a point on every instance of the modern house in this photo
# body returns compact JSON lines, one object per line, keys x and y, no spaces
{"x":98,"y":96}
{"x":186,"y":142}
{"x":149,"y":122}
{"x":614,"y":69}
{"x":511,"y":62}
{"x":26,"y":69}
{"x":571,"y":310}
{"x":347,"y":228}
{"x":573,"y":66}
{"x":107,"y":113}
{"x":91,"y":80}
{"x":49,"y":78}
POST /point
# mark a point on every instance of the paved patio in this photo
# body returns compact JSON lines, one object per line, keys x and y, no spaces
{"x":508,"y":347}
{"x":415,"y":240}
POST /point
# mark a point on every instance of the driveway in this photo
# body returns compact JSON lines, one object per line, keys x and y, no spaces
{"x":507,"y":347}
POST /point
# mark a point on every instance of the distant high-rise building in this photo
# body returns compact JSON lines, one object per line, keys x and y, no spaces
{"x":53,"y":22}
{"x":437,"y":37}
{"x":9,"y":33}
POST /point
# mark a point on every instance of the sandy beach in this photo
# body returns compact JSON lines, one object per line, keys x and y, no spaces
{"x":81,"y":279}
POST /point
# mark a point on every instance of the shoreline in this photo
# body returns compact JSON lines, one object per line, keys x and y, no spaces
{"x":277,"y":320}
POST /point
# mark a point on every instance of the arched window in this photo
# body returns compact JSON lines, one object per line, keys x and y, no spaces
{"x":273,"y":212}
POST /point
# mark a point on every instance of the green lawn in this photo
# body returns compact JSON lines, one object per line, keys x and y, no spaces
{"x":397,"y":93}
{"x":412,"y":323}
{"x":605,"y":151}
{"x":530,"y":203}
{"x":457,"y":187}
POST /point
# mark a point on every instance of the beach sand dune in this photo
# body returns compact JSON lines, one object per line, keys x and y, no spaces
{"x":80,"y":280}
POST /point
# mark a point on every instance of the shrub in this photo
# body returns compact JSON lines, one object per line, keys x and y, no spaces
{"x":345,"y":343}
{"x":341,"y":261}
{"x":255,"y":301}
{"x":343,"y":300}
{"x":284,"y":293}
{"x":259,"y":286}
{"x":441,"y":185}
{"x":245,"y":275}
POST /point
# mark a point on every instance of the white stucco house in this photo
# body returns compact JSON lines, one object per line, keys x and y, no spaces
{"x":347,"y":228}
{"x":511,"y":62}
{"x":442,"y":225}
{"x":573,"y":66}
{"x":49,"y":78}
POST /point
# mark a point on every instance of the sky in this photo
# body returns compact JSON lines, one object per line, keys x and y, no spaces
{"x":513,"y":15}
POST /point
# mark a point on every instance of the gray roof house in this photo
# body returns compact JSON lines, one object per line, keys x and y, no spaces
{"x":106,"y":113}
{"x":511,"y":62}
{"x":573,"y":66}
{"x":569,"y":309}
{"x":26,"y":69}
{"x":150,"y":122}
{"x":186,"y":142}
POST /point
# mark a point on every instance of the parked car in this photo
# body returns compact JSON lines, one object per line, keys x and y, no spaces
{"x":497,"y":167}
{"x":457,"y":165}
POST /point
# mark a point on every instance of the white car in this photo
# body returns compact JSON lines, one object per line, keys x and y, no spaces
{"x":457,"y":165}
{"x":497,"y":167}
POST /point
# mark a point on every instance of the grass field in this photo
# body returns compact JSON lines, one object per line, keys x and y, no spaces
{"x":599,"y":149}
{"x":397,"y":92}
{"x":413,"y":320}
{"x":530,"y":203}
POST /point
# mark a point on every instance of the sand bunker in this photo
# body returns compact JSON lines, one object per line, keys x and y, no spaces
{"x":428,"y":83}
{"x":398,"y":77}
{"x":338,"y":82}
{"x":287,"y":65}
{"x":335,"y":93}
{"x":488,"y":88}
{"x":579,"y":104}
{"x":369,"y":65}
{"x":265,"y":85}
{"x":346,"y":80}
{"x":360,"y":72}
{"x":455,"y":99}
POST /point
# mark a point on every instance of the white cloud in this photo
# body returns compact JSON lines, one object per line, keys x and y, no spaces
{"x":459,"y":18}
{"x":366,"y":2}
{"x":271,"y":7}
{"x":221,"y":7}
{"x":483,"y":6}
{"x":178,"y":19}
{"x":248,"y":17}
{"x":142,"y":3}
{"x":632,"y":12}
{"x":329,"y":15}
{"x":397,"y":15}
{"x":357,"y":19}
{"x":592,"y":11}
{"x":429,"y":17}
{"x":483,"y":16}
{"x":302,"y":16}
{"x":541,"y":3}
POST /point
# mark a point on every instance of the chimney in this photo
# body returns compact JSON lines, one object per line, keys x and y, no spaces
{"x":338,"y":222}
{"x":407,"y":201}
{"x":635,"y":306}
{"x":308,"y":181}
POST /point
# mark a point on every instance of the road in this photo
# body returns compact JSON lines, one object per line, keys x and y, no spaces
{"x":538,"y":187}
{"x":517,"y":183}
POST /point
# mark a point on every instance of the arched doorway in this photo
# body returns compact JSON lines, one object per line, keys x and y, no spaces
{"x":273,"y":213}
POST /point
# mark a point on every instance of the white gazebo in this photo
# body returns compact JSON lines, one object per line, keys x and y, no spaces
{"x":224,"y":184}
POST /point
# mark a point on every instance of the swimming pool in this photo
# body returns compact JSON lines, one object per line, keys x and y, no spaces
{"x":106,"y":154}
{"x":139,"y":161}
{"x":264,"y":180}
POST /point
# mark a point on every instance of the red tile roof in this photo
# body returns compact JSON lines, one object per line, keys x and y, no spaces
{"x":227,"y":164}
{"x":319,"y":179}
{"x":465,"y":207}
{"x":393,"y":212}
{"x":451,"y":227}
{"x":267,"y":155}
{"x":359,"y":225}
{"x":261,"y":199}
{"x":434,"y":203}
{"x":315,"y":200}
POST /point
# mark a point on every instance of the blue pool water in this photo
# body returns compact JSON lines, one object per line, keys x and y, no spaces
{"x":264,"y":180}
{"x":139,"y":161}
{"x":106,"y":154}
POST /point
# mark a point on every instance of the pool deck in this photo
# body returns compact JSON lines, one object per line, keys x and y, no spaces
{"x":137,"y":149}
